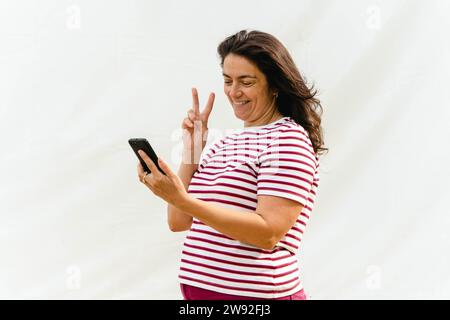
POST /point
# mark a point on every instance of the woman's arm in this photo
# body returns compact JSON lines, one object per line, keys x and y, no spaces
{"x":176,"y":218}
{"x":263,"y":228}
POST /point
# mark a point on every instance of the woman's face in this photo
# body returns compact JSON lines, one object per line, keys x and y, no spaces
{"x":247,"y":90}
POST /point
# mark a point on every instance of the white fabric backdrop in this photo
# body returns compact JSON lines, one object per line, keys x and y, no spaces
{"x":78,"y":78}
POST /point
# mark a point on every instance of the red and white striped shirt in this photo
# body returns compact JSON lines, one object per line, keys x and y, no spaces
{"x":276,"y":159}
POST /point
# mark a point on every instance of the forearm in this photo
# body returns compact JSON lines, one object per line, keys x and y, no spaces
{"x":176,"y":218}
{"x":246,"y":227}
{"x":185,"y":172}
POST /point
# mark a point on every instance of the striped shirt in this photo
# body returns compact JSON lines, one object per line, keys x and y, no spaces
{"x":276,"y":159}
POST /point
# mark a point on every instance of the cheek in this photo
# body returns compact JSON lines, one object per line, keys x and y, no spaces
{"x":251,"y":94}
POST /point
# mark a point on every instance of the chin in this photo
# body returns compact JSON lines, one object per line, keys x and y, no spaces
{"x":240,"y":116}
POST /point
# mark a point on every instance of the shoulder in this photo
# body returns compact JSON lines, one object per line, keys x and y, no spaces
{"x":294,"y":132}
{"x":293,"y":139}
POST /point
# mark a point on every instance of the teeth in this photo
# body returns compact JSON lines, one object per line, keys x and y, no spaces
{"x":241,"y":103}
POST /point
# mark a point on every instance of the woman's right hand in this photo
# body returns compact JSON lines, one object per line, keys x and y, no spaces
{"x":195,"y":129}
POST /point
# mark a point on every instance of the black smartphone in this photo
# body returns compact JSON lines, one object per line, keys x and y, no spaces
{"x":142,"y":144}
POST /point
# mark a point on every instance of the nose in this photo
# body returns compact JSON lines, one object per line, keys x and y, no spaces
{"x":235,"y":91}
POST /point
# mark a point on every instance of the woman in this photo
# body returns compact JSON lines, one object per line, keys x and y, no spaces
{"x":247,"y":202}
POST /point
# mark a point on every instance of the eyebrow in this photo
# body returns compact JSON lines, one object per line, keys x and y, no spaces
{"x":240,"y":77}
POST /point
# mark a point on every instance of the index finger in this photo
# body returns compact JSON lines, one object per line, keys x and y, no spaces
{"x":195,"y":103}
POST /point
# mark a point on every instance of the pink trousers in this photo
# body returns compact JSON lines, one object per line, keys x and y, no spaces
{"x":194,"y":293}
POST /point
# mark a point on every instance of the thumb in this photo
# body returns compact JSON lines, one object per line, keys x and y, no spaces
{"x":165,"y":167}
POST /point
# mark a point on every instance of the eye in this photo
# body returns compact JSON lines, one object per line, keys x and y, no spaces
{"x":227,"y":82}
{"x":246,"y":83}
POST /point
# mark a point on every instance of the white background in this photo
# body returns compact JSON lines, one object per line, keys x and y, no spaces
{"x":79,"y":78}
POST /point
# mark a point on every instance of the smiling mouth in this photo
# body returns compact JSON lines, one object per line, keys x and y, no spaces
{"x":241,"y":103}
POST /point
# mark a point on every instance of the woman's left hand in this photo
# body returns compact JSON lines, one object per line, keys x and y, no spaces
{"x":169,"y":187}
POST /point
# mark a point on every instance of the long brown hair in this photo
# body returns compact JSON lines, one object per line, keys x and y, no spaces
{"x":295,"y":98}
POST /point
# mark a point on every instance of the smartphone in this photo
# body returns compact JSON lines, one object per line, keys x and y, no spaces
{"x":142,"y":144}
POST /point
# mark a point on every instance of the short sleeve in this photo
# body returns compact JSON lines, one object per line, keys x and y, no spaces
{"x":287,"y":166}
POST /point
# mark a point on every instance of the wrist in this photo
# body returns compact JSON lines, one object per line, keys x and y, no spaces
{"x":190,"y":159}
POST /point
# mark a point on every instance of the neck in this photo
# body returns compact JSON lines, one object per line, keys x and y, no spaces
{"x":270,"y":116}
